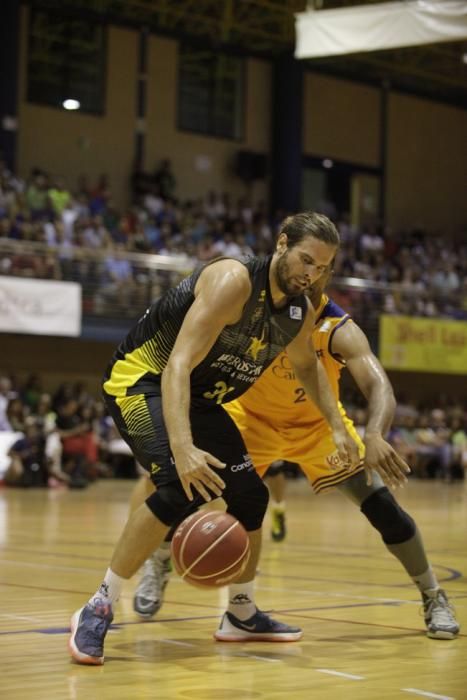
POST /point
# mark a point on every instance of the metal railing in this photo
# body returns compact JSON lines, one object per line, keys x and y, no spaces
{"x":117,"y":285}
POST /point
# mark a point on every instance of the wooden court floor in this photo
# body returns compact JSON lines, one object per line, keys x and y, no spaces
{"x":364,"y":635}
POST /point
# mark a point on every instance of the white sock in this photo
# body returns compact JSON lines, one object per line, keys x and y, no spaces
{"x":426,"y":582}
{"x":163,"y":552}
{"x":110,"y":588}
{"x":242,"y":600}
{"x":279,"y":507}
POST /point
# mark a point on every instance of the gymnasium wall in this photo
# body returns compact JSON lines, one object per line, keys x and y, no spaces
{"x":72,"y":143}
{"x":426,"y":170}
{"x":188,"y":151}
{"x":341,"y":120}
{"x":427,"y":167}
{"x":56,"y":360}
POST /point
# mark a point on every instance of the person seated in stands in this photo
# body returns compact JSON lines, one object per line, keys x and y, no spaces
{"x":402,"y":437}
{"x":119,"y":455}
{"x":115,"y":294}
{"x":79,"y":443}
{"x":459,"y":448}
{"x":37,"y":196}
{"x":47,"y":420}
{"x":16,"y":414}
{"x":28,"y":459}
{"x":433,"y":444}
{"x":59,"y":196}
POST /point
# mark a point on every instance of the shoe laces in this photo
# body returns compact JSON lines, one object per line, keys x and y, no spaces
{"x":440,"y":608}
{"x":101,"y":607}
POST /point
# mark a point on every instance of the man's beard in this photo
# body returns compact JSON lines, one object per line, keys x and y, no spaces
{"x":282,"y":274}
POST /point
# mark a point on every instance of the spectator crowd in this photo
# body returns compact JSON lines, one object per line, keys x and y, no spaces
{"x":83,"y":235}
{"x":60,"y":439}
{"x":65,"y":439}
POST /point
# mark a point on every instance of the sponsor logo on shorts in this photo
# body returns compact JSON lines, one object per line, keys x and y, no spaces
{"x":334,"y":461}
{"x":155,"y":468}
{"x":247,"y":464}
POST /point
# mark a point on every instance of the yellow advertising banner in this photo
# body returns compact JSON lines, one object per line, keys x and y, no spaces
{"x":423,"y":344}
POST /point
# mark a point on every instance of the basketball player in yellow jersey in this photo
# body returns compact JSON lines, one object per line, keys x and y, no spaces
{"x":293,"y":427}
{"x":277,"y":420}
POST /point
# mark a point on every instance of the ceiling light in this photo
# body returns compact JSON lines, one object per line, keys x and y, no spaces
{"x":71,"y":104}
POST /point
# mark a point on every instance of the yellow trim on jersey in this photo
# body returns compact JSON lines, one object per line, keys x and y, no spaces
{"x":150,"y":357}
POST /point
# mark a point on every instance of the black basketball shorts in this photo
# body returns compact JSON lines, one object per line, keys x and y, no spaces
{"x":140,"y":422}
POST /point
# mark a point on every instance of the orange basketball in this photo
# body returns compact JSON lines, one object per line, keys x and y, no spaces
{"x":210,"y":548}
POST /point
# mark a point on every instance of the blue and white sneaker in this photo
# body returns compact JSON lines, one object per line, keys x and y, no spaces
{"x":89,"y":626}
{"x":259,"y":627}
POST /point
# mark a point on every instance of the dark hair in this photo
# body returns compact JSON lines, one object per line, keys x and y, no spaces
{"x":309,"y":223}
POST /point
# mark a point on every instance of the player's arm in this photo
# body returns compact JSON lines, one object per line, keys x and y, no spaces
{"x":312,"y":377}
{"x":351,"y":344}
{"x":220,"y":295}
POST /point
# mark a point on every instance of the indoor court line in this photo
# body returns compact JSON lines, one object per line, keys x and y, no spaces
{"x":426,"y":694}
{"x":454,"y":574}
{"x":350,"y":676}
{"x":175,"y":642}
{"x":259,"y":658}
{"x":292,"y":612}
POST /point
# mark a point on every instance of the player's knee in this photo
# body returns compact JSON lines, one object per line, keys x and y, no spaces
{"x":275,"y":468}
{"x":168,"y":503}
{"x":249,"y":507}
{"x":386,"y":515}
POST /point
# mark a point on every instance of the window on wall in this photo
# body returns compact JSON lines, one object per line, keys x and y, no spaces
{"x":211,"y":92}
{"x":66,"y":61}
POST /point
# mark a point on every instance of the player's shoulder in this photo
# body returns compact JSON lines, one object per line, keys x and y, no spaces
{"x":225,"y":269}
{"x":331,"y":310}
{"x":225,"y":278}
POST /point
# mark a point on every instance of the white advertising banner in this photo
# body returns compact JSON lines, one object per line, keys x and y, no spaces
{"x":387,"y":25}
{"x":40,"y":307}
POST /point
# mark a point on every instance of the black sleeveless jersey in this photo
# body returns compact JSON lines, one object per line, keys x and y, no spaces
{"x":238,"y":357}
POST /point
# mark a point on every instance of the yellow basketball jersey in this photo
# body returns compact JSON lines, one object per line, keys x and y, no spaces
{"x":278,"y":393}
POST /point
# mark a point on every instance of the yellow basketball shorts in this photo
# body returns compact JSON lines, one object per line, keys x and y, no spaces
{"x":312,"y":447}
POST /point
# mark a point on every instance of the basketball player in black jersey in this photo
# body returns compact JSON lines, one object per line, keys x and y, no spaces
{"x":200,"y":345}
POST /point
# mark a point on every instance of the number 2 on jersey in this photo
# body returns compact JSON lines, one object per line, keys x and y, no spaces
{"x":300,"y":394}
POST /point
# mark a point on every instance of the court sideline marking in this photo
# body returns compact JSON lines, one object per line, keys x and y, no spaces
{"x":426,"y":694}
{"x":339,"y":673}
